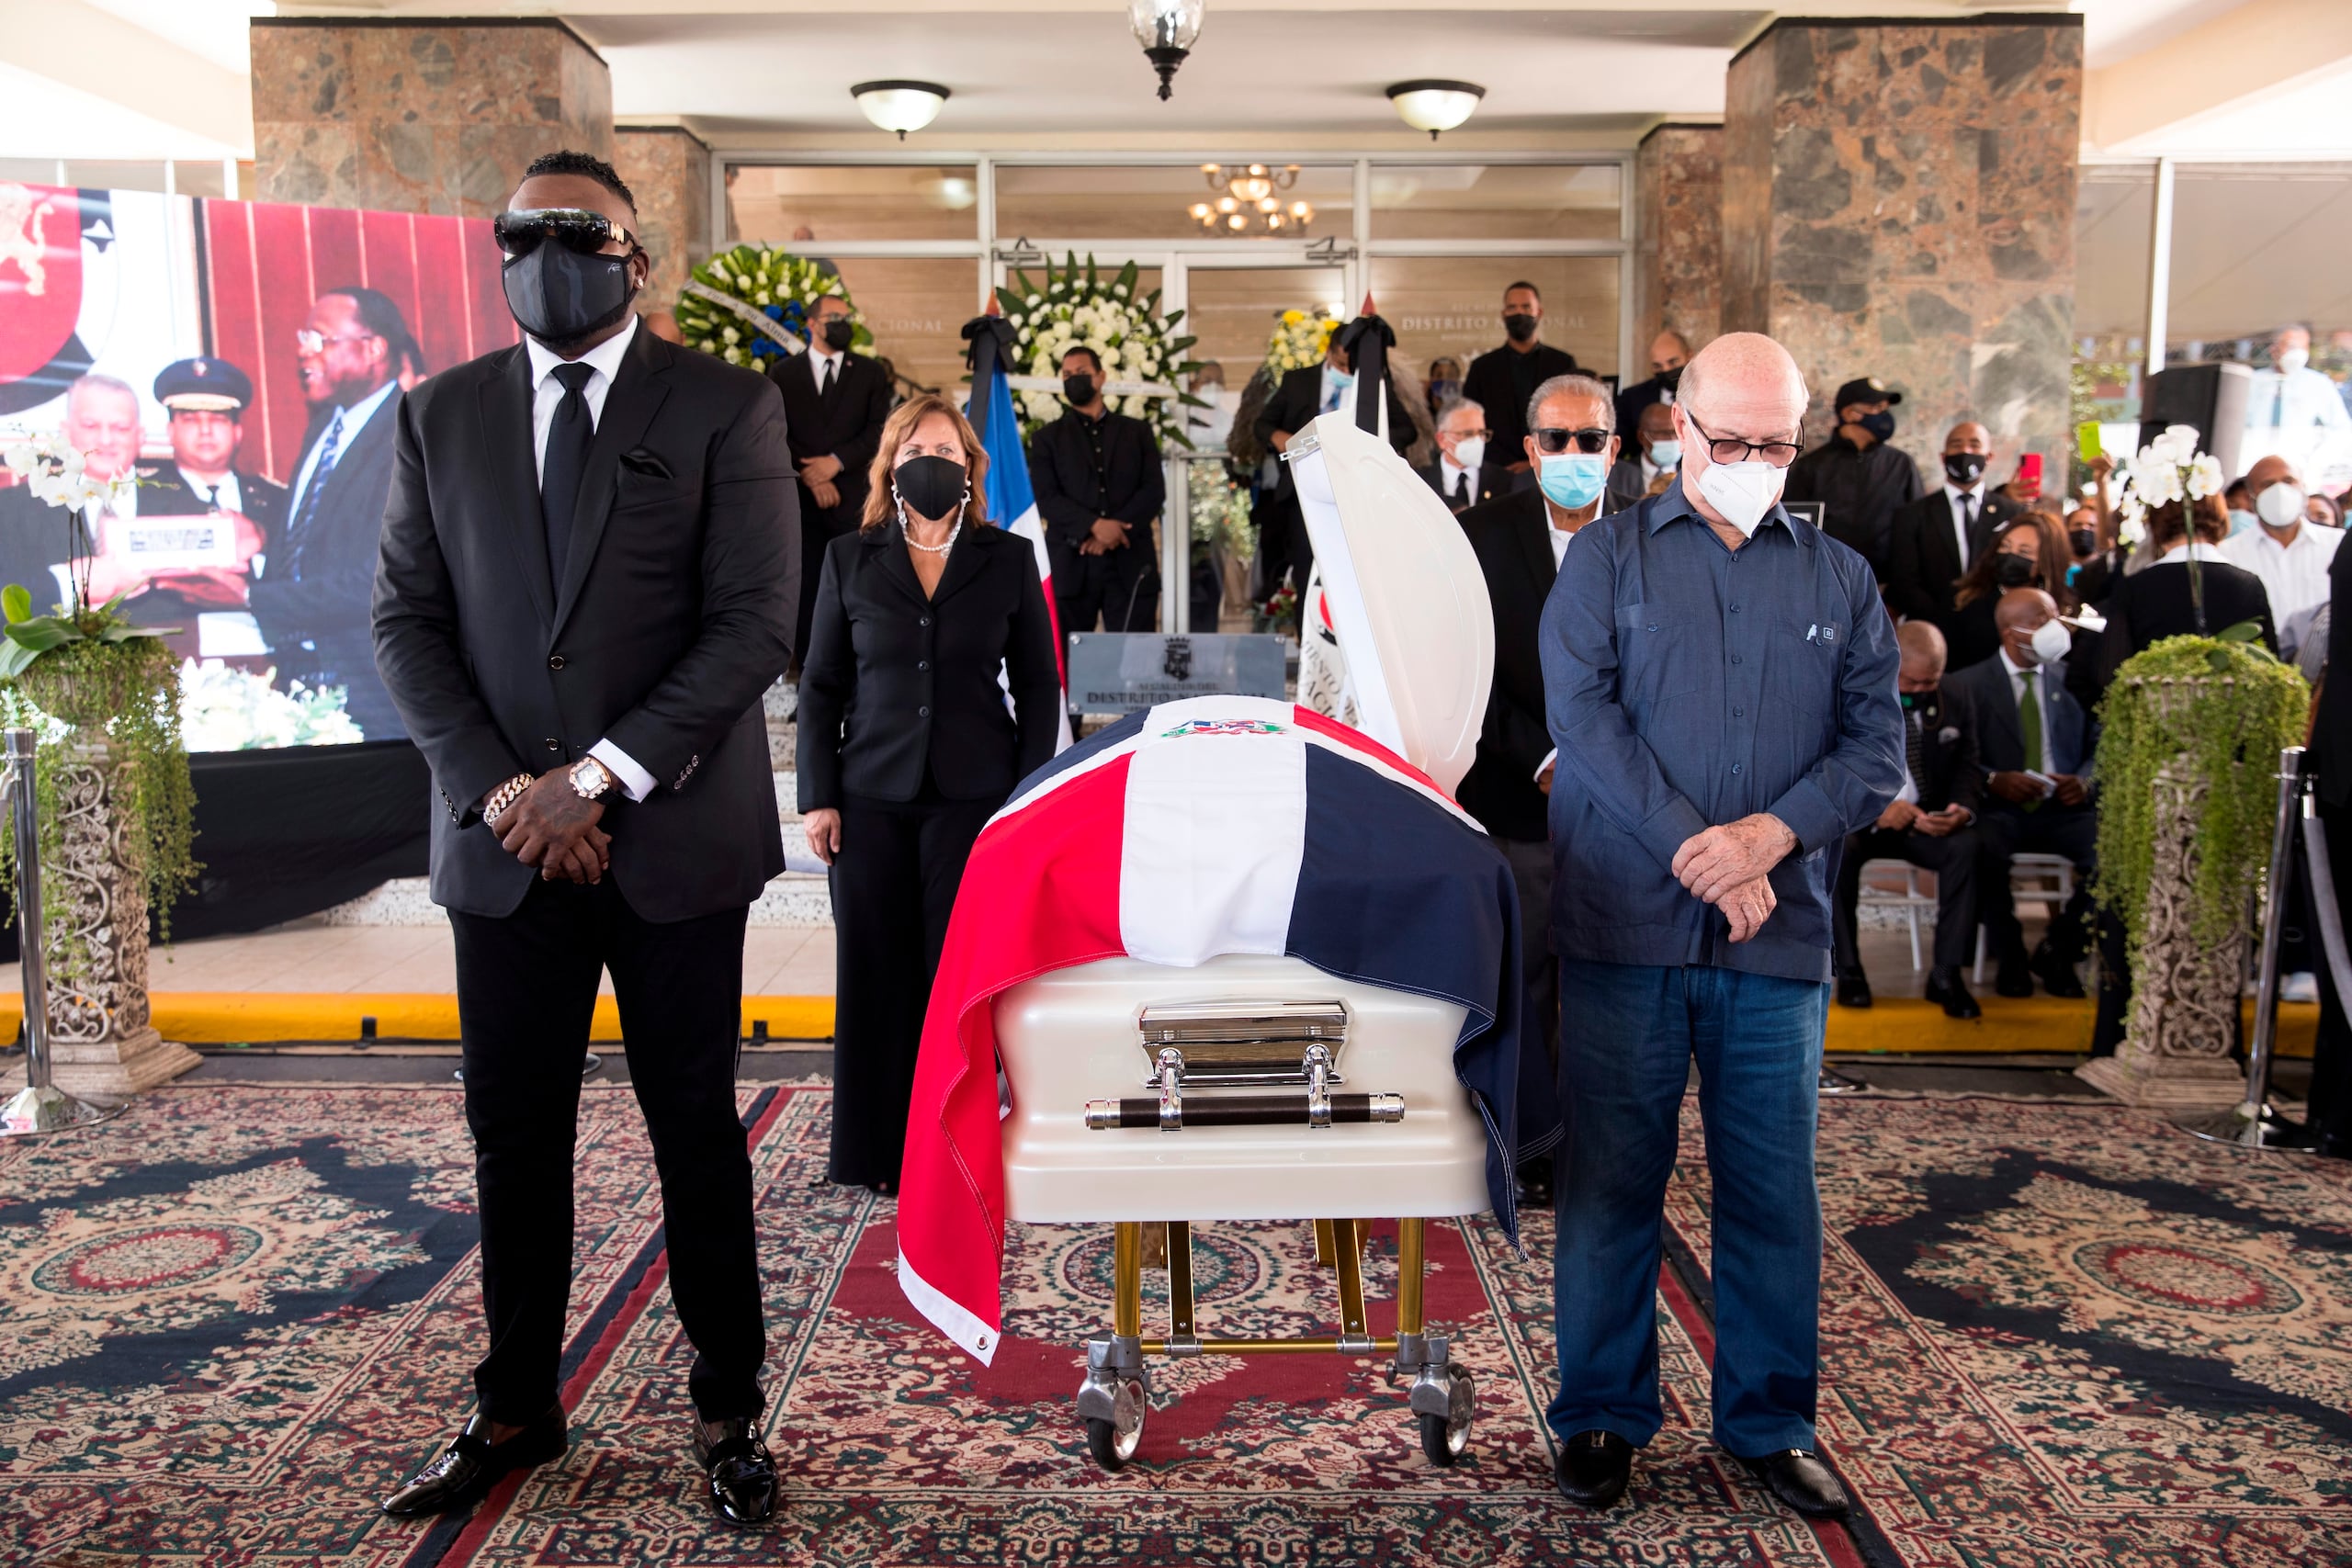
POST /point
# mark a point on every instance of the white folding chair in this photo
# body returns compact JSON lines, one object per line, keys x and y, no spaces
{"x":2047,"y":880}
{"x":1907,"y":897}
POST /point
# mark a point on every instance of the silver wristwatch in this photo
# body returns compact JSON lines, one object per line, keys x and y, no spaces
{"x":591,"y":778}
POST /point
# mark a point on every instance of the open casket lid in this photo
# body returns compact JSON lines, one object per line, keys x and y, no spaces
{"x":1405,"y":595}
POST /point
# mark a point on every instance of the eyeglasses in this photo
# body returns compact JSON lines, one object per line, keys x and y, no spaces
{"x":574,"y":228}
{"x":1732,"y":449}
{"x":307,"y":340}
{"x":1552,"y":443}
{"x":1469,"y":435}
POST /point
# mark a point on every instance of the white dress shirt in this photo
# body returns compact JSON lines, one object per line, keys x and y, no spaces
{"x":1561,"y":539}
{"x":1960,"y":501}
{"x":1459,"y":481}
{"x":823,"y":362}
{"x":226,"y":496}
{"x":2294,"y":575}
{"x":2297,"y":401}
{"x":547,"y":395}
{"x":355,"y":419}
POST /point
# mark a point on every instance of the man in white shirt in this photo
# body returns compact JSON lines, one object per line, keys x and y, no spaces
{"x":2291,"y":554}
{"x":2292,"y":395}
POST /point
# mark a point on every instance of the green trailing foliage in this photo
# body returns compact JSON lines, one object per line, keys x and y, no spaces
{"x":2224,"y":707}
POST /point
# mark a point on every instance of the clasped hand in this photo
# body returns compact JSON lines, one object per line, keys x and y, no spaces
{"x":1108,"y":534}
{"x":553,"y":828}
{"x":1727,"y":866}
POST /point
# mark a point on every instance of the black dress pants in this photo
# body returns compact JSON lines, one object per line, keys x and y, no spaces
{"x":894,"y":885}
{"x":1953,"y":860}
{"x":2002,"y":831}
{"x":1120,"y":588}
{"x":527,"y":995}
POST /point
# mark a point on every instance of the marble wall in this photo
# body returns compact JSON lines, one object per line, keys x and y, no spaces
{"x":1899,"y":201}
{"x":1678,"y":246}
{"x":667,"y":168}
{"x":426,"y":117}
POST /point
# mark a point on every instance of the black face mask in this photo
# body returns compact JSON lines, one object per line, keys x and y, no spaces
{"x":1671,"y":379}
{"x":839,"y":332}
{"x":1078,"y":389}
{"x":1518,"y":327}
{"x":1880,"y":424}
{"x":1963,"y":469}
{"x":560,"y":296}
{"x":2015,"y":572}
{"x":2082,"y":541}
{"x":933,"y":488}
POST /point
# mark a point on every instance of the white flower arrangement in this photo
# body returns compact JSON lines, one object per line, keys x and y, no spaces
{"x":58,"y":474}
{"x":1076,"y":307}
{"x":227,"y":709}
{"x":2168,"y":469}
{"x":1219,"y":509}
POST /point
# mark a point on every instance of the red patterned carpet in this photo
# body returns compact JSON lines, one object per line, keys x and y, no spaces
{"x":2055,"y":1336}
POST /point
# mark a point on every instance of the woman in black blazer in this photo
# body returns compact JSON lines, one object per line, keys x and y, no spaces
{"x":905,"y":747}
{"x":2155,"y":603}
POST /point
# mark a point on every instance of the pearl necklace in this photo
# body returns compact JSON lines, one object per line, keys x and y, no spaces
{"x":938,"y":549}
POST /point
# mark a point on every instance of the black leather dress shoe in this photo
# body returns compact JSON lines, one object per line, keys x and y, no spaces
{"x":1853,"y":988}
{"x":459,"y":1475}
{"x":1593,"y":1467}
{"x":743,"y":1484}
{"x":1948,"y":991}
{"x":2013,"y":978}
{"x":1535,"y":1184}
{"x":1798,"y":1478}
{"x":2058,"y":977}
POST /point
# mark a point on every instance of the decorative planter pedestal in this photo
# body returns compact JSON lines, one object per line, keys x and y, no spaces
{"x":2176,"y":1053}
{"x":100,"y":1036}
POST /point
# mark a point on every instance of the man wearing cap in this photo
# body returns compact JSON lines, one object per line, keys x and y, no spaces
{"x":204,"y":401}
{"x":1860,"y":479}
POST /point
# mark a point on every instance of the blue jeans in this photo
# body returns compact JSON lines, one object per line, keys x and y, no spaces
{"x":1629,"y":1034}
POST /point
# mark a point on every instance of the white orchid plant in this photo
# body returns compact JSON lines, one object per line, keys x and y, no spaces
{"x":56,"y":472}
{"x":2170,"y":471}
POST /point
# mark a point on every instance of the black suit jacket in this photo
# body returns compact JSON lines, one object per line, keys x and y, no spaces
{"x":2154,"y":604}
{"x":2069,"y":735}
{"x":173,"y":495}
{"x":1298,"y":402}
{"x":1951,"y":770}
{"x":894,"y":684}
{"x":1133,"y":486}
{"x":1632,"y":401}
{"x":1493,"y":384}
{"x":1488,"y":482}
{"x":1923,"y":562}
{"x":2332,"y":733}
{"x":32,"y":539}
{"x":673,"y":615}
{"x":1514,"y":555}
{"x":312,"y":594}
{"x":846,"y":422}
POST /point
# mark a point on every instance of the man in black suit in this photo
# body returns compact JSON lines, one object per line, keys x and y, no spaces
{"x":2158,"y":601}
{"x":1300,"y":398}
{"x":588,"y":574}
{"x":102,"y":423}
{"x":834,"y":404}
{"x":2034,"y":744}
{"x":1669,"y":352}
{"x":1098,"y":481}
{"x":312,"y":595}
{"x":1461,"y":474}
{"x":1932,"y":540}
{"x":205,"y":401}
{"x":1501,"y":379}
{"x":1928,"y":825}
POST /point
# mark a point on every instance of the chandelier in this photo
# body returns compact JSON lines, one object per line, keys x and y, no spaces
{"x":1247,"y":201}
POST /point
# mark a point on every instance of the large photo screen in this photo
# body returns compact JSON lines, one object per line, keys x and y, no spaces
{"x":245,"y":361}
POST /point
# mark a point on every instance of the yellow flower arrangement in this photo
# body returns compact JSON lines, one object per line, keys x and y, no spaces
{"x":1300,"y":339}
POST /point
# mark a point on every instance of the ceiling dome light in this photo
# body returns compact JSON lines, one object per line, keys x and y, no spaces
{"x":1434,"y":105}
{"x":1167,"y":29}
{"x":899,"y":106}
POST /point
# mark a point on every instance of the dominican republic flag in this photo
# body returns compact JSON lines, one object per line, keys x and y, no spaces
{"x":1210,"y":826}
{"x":1011,"y":501}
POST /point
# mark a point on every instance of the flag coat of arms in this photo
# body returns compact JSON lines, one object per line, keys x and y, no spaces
{"x":1212,"y":825}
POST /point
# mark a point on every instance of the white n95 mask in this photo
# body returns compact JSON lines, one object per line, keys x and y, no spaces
{"x":1469,"y":452}
{"x":1743,"y":492}
{"x":2281,"y":506}
{"x":2052,"y":641}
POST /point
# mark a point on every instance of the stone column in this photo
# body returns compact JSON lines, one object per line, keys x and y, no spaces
{"x":1677,"y":244}
{"x":668,"y":169}
{"x":1899,"y":201}
{"x":419,"y":117}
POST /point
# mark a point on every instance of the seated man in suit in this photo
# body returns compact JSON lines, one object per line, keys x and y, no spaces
{"x":1651,"y":461}
{"x":834,"y":404}
{"x":1299,"y":399}
{"x":1928,"y":825}
{"x":1933,"y":540}
{"x":1669,"y":352}
{"x":1461,"y":473}
{"x":2034,"y":745}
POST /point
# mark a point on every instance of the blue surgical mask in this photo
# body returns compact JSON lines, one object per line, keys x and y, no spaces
{"x":1664,"y":454}
{"x":1573,"y":479}
{"x":1339,"y":377}
{"x":2240,"y":520}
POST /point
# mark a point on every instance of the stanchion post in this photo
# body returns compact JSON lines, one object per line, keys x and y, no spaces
{"x":39,"y":1105}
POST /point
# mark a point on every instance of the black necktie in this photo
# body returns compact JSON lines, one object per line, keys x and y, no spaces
{"x":825,"y":380}
{"x":567,"y":457}
{"x":1967,"y":528}
{"x":1914,"y":755}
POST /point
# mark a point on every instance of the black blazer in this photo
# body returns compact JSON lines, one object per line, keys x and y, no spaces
{"x":173,"y":495}
{"x":1298,"y":402}
{"x":846,"y":422}
{"x":1951,"y":770}
{"x":317,"y":589}
{"x":2154,"y":604}
{"x":1515,"y":558}
{"x":1133,"y":486}
{"x":1492,"y":383}
{"x":1632,"y":401}
{"x":673,"y":616}
{"x":1488,"y":482}
{"x":1923,"y":563}
{"x":894,"y":684}
{"x":2069,"y":736}
{"x":2332,"y":734}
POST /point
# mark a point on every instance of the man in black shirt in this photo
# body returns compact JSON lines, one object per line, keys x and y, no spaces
{"x":1502,"y":379}
{"x":1099,"y":484}
{"x":1859,"y":478}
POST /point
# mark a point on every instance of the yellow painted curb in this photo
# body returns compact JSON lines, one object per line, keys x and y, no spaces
{"x":2035,"y":1025}
{"x":227,"y":1018}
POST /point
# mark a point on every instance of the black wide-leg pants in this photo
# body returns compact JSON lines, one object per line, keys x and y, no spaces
{"x":527,"y":995}
{"x":894,"y":885}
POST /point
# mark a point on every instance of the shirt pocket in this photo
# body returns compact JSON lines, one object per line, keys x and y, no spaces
{"x":1802,"y":674}
{"x":1662,"y":654}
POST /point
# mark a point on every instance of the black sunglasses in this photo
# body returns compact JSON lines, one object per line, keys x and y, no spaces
{"x":575,"y":229}
{"x":1552,"y":443}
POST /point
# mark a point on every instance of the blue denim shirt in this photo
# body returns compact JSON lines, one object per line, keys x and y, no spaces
{"x":1687,"y":685}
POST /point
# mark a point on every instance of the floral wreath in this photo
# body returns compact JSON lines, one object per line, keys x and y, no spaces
{"x":1076,"y":306}
{"x":1301,"y":338}
{"x":726,"y":307}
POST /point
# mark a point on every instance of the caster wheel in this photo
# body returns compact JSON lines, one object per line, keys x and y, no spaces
{"x":1112,"y":1443}
{"x":1445,"y":1438}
